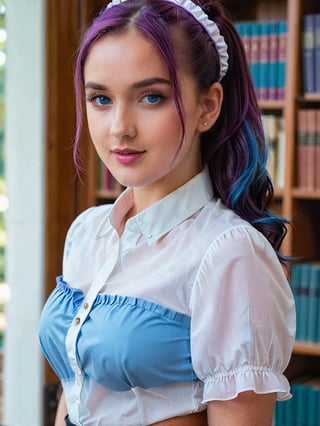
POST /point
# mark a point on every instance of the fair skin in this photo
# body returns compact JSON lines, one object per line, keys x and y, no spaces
{"x":247,"y":409}
{"x":136,"y":131}
{"x":61,"y":412}
{"x":131,"y":110}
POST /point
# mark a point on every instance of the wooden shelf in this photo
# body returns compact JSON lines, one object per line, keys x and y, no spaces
{"x":307,"y":348}
{"x":305,"y":194}
{"x":310,"y":97}
{"x":276,"y":105}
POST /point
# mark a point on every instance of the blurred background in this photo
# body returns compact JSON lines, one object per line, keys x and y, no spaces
{"x":41,"y":193}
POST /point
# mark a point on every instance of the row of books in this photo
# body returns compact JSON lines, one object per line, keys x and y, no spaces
{"x":305,"y":284}
{"x":311,"y":53}
{"x":303,"y":409}
{"x":308,"y":149}
{"x":275,"y":137}
{"x":266,"y":47}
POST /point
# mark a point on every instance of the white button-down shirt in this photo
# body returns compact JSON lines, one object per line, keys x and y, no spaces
{"x":186,"y":258}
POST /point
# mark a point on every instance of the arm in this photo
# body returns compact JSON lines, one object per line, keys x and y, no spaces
{"x":61,"y":412}
{"x":248,"y":409}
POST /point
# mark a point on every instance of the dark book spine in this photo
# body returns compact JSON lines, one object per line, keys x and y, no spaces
{"x":308,"y":62}
{"x":317,"y":51}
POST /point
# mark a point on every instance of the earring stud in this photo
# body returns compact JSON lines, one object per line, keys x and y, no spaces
{"x":204,"y":123}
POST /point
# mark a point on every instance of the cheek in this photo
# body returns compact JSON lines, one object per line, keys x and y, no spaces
{"x":95,"y":126}
{"x":167,"y":126}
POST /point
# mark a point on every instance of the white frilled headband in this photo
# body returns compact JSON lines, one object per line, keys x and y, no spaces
{"x":210,"y":27}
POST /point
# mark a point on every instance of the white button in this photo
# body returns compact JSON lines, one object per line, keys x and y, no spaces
{"x":132,"y":226}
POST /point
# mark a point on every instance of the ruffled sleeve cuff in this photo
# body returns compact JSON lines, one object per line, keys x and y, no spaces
{"x":227,"y":385}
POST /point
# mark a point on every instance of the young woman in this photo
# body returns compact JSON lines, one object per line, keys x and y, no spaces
{"x":173,"y":307}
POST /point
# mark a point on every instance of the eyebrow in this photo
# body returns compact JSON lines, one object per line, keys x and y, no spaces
{"x":139,"y":85}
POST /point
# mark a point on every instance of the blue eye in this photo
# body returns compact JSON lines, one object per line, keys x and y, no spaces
{"x":99,"y":100}
{"x":153,"y":98}
{"x":102,"y":100}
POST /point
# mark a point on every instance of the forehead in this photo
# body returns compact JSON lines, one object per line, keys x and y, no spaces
{"x":122,"y":55}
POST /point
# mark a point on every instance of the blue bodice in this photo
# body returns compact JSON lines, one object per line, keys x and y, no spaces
{"x":124,"y":342}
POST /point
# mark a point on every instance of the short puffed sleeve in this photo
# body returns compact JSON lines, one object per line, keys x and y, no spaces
{"x":243,"y":318}
{"x":83,"y":250}
{"x":74,"y":232}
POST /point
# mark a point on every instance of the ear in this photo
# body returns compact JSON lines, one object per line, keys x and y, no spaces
{"x":211,"y":102}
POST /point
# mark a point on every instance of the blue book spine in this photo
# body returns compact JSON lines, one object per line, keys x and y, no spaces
{"x":239,"y":28}
{"x":317,"y":51}
{"x":304,"y":299}
{"x":264,"y":60}
{"x":317,"y":318}
{"x":246,"y":38}
{"x":313,"y":401}
{"x":295,"y":286}
{"x":308,"y":60}
{"x":290,"y":414}
{"x":282,"y":59}
{"x":313,"y":407}
{"x":317,"y":410}
{"x":313,"y":303}
{"x":255,"y":56}
{"x":244,"y":30}
{"x":273,"y":60}
{"x":279,"y":414}
{"x":302,"y":414}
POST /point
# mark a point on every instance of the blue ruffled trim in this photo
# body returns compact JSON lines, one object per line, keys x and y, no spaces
{"x":108,"y":299}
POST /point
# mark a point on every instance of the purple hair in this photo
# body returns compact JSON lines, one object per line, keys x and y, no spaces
{"x":234,"y":149}
{"x":155,"y":19}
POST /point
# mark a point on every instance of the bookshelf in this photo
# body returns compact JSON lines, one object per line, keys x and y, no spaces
{"x":65,"y":22}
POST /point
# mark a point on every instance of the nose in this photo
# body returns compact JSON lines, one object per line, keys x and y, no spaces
{"x":122,"y":124}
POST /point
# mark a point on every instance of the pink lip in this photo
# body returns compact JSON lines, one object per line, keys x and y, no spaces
{"x":127,"y":156}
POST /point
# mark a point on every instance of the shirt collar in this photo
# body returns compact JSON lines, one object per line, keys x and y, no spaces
{"x":161,"y":217}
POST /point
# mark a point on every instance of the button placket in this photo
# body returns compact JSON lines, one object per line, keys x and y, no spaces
{"x":81,"y":315}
